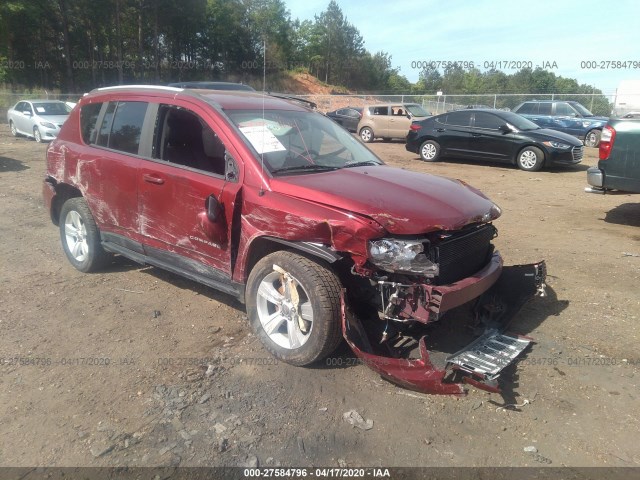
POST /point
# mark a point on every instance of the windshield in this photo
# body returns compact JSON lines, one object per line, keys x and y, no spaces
{"x":583,"y":111}
{"x":294,"y":142}
{"x":416,"y":110}
{"x":51,"y":108}
{"x":518,"y":121}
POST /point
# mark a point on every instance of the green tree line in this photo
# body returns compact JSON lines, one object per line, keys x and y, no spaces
{"x":76,"y":45}
{"x":73,"y":45}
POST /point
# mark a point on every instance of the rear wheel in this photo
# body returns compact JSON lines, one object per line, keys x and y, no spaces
{"x":366,"y":134}
{"x":430,"y":151}
{"x":293,"y":304}
{"x":80,"y":236}
{"x":36,"y":135}
{"x":592,"y":138}
{"x":14,"y":130}
{"x":530,"y":159}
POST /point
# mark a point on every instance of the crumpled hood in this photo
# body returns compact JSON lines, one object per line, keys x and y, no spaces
{"x":403,"y":202}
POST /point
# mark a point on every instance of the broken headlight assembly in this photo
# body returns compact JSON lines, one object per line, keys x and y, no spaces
{"x":397,"y":255}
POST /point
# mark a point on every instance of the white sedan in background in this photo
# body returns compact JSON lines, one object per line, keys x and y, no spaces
{"x":39,"y":119}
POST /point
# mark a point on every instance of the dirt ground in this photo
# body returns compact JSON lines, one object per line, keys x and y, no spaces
{"x":134,"y":366}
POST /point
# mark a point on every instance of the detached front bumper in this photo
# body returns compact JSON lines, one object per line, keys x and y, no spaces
{"x":480,"y":363}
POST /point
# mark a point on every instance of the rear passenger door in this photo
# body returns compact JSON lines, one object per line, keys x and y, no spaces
{"x":455,"y":134}
{"x":189,"y":163}
{"x":107,"y":167}
{"x":380,"y":120}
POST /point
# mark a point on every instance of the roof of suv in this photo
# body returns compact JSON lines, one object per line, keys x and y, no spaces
{"x":225,"y":99}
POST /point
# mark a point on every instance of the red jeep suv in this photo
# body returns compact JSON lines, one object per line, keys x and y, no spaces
{"x":271,"y":202}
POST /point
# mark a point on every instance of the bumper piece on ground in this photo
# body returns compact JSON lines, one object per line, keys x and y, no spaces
{"x":480,"y":363}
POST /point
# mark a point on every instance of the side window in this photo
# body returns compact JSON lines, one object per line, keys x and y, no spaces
{"x":486,"y":120}
{"x":88,"y":118}
{"x":184,"y":139}
{"x":27,"y":107}
{"x":122,"y":125}
{"x":127,"y":126}
{"x":545,"y":108}
{"x":342,"y":111}
{"x":564,"y":109}
{"x":462,"y":119}
{"x":528,"y":108}
{"x":19,"y":107}
{"x":381,"y":110}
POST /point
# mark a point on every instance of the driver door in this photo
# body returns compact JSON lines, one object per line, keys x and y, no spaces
{"x":190,"y":171}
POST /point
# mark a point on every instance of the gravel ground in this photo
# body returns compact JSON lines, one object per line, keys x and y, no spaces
{"x":135,"y":366}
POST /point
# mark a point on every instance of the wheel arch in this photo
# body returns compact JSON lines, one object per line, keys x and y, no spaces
{"x":265,"y":245}
{"x":63,"y":192}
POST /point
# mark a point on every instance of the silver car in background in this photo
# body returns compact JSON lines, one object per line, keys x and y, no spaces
{"x":39,"y":119}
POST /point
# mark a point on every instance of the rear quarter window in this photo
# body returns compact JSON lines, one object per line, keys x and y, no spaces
{"x":88,"y":118}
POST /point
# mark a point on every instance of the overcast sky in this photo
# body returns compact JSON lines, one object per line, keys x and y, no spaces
{"x":565,"y":32}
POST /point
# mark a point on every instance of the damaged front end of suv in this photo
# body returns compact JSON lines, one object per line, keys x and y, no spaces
{"x":412,"y":282}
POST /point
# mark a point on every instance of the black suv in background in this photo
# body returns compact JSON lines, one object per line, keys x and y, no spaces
{"x":565,"y":116}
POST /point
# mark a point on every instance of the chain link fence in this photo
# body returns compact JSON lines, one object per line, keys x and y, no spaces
{"x":598,"y":104}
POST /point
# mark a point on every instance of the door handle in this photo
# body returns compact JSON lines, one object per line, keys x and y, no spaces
{"x":476,"y":134}
{"x":439,"y":129}
{"x":152,"y":179}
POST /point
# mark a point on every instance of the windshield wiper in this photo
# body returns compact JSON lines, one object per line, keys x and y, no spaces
{"x":361,"y":164}
{"x":313,"y":167}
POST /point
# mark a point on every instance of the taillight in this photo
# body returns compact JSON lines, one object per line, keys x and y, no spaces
{"x":607,"y":138}
{"x":415,"y":127}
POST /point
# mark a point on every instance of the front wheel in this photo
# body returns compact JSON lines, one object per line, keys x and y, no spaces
{"x":36,"y":135}
{"x":592,"y":138}
{"x":80,"y":236}
{"x":293,"y":304}
{"x":530,"y":159}
{"x":366,"y":134}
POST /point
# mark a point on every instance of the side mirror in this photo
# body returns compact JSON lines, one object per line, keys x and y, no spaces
{"x":213,"y":208}
{"x":409,"y":116}
{"x":504,"y":128}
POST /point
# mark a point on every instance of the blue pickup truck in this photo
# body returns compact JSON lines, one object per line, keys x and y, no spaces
{"x":566,"y":116}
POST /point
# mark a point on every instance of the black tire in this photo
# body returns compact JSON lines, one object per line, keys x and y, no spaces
{"x":530,"y":159}
{"x":366,"y":135}
{"x":82,"y":244}
{"x":317,"y":287}
{"x":37,"y":136}
{"x":14,"y":131}
{"x":430,"y":151}
{"x":592,"y":138}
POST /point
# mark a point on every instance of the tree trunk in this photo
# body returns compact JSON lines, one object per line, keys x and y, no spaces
{"x":67,"y":48}
{"x":119,"y":44}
